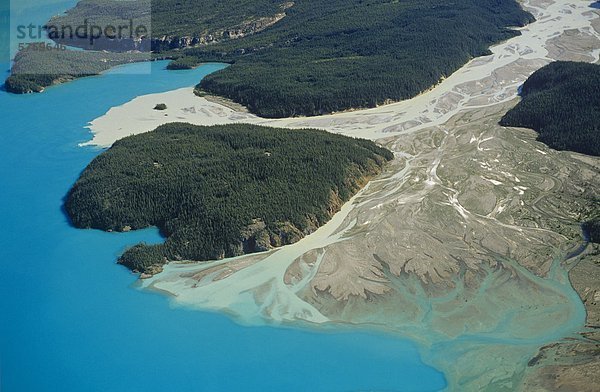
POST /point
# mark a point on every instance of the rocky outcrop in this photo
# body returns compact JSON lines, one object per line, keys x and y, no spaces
{"x":242,"y":30}
{"x":257,"y":237}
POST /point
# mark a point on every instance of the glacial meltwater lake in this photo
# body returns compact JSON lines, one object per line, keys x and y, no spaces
{"x":72,"y":320}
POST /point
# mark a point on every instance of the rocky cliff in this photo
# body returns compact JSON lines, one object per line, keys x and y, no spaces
{"x":249,"y":27}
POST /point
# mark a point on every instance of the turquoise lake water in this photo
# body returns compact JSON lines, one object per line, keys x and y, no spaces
{"x":71,"y":319}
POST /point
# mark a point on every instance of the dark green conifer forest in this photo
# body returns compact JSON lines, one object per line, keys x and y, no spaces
{"x":561,"y":102}
{"x":220,"y":191}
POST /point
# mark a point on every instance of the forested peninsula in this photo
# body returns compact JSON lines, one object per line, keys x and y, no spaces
{"x":220,"y":191}
{"x":310,"y":57}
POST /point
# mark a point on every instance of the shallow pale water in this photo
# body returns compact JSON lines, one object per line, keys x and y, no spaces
{"x":71,"y":320}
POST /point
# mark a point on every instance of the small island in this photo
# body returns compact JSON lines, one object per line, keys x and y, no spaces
{"x":220,"y":191}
